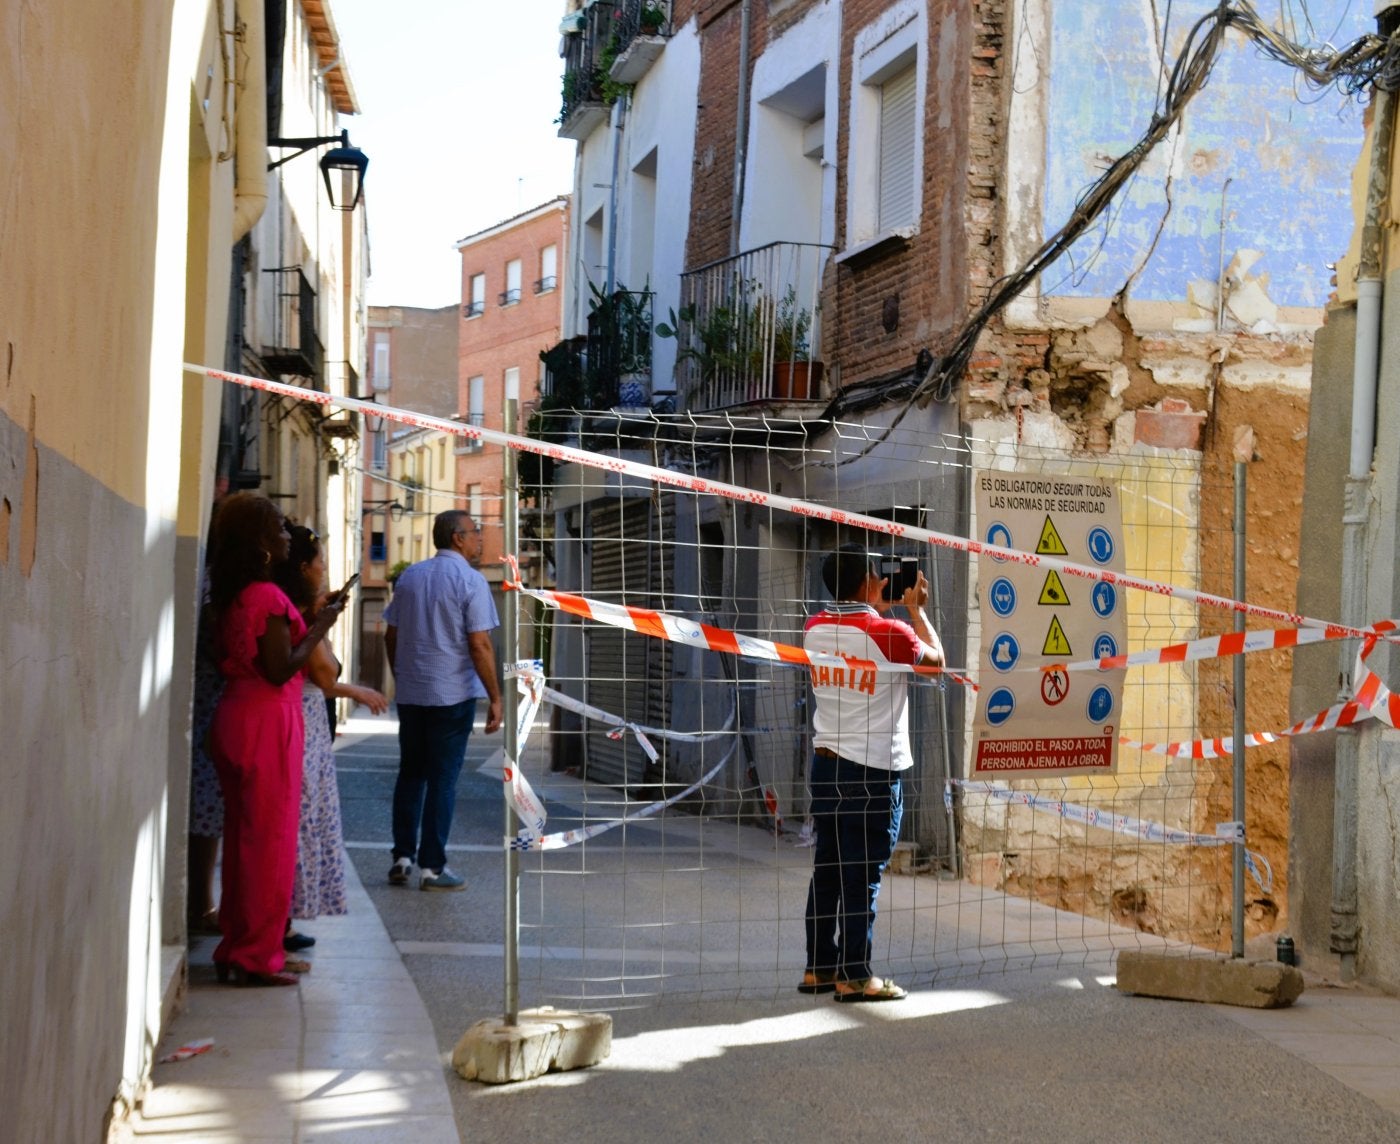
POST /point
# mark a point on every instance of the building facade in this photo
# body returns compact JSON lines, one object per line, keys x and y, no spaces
{"x":412,"y":363}
{"x":898,"y":220}
{"x":112,"y":458}
{"x":513,"y":277}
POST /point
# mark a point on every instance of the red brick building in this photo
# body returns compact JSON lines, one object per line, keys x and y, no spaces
{"x":512,"y":274}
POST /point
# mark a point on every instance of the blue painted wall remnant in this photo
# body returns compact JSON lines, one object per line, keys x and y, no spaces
{"x":1288,"y":149}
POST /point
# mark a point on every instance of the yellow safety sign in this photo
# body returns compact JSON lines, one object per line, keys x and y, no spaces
{"x":1054,"y":591}
{"x":1056,"y":643}
{"x":1050,"y":542}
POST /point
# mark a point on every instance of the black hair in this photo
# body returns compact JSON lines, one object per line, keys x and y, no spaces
{"x":288,"y":575}
{"x":844,"y":571}
{"x":242,"y":523}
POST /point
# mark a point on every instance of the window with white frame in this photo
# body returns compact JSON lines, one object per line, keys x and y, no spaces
{"x":476,"y":409}
{"x":379,"y":378}
{"x":511,"y":295}
{"x":886,"y":154}
{"x":549,"y":269}
{"x":379,"y":450}
{"x":512,"y":380}
{"x":897,"y":175}
{"x":476,"y":304}
{"x":474,"y":500}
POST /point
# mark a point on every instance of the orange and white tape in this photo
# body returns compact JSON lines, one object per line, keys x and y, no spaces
{"x":678,"y":629}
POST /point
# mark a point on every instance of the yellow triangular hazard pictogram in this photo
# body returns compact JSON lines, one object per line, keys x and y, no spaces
{"x":1055,"y":641}
{"x":1053,"y":592}
{"x":1050,"y":542}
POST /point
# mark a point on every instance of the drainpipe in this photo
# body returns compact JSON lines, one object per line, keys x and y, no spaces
{"x":250,"y":123}
{"x":619,"y":121}
{"x":1365,"y":374}
{"x":741,"y":131}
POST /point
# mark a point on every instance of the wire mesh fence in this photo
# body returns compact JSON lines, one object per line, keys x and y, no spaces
{"x":706,"y":896}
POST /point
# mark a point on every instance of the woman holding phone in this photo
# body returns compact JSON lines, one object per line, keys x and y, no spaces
{"x":319,"y":884}
{"x":256,"y":737}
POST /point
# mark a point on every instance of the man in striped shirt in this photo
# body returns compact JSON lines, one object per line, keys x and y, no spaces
{"x":861,"y":747}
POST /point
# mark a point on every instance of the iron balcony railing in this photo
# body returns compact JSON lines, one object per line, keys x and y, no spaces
{"x":749,"y":328}
{"x":642,"y":18}
{"x":619,"y":348}
{"x":474,"y":308}
{"x":610,"y":366}
{"x":296,"y":346}
{"x":583,"y":56}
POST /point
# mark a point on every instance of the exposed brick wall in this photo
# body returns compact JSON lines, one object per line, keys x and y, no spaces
{"x":503,"y":337}
{"x":889,"y":308}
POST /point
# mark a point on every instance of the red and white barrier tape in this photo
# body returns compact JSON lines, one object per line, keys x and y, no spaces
{"x":678,"y":629}
{"x":1374,"y":700}
{"x":809,"y":509}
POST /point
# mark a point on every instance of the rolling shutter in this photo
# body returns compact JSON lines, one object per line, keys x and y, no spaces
{"x":897,"y":174}
{"x":626,"y":674}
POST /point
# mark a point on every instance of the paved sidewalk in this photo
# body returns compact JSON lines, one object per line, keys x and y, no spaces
{"x":349,"y":1055}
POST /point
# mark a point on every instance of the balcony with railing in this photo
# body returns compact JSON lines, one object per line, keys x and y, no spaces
{"x":587,"y":36}
{"x":609,"y":367}
{"x":295,"y":347}
{"x":748,"y":330}
{"x":643,"y":27}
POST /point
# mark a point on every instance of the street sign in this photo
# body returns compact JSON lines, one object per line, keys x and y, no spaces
{"x":1037,"y":718}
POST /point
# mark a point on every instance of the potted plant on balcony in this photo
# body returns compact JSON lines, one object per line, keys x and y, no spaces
{"x":795,"y":375}
{"x":651,"y":19}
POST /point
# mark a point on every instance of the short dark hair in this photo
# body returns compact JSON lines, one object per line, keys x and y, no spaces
{"x":446,"y":525}
{"x":844,"y":571}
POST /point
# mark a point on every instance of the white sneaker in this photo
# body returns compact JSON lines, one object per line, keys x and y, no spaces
{"x":443,"y":879}
{"x":400,"y":872}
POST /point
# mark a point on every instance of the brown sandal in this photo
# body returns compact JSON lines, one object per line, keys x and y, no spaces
{"x":869,"y":989}
{"x":818,"y":981}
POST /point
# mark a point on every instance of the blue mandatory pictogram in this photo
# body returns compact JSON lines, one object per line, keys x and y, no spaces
{"x":1100,"y":545}
{"x":1105,"y":646}
{"x":1002,"y":595}
{"x":1105,"y":598}
{"x":1100,"y":704}
{"x":1000,"y":535}
{"x":1006,"y":652}
{"x":1001,"y":703}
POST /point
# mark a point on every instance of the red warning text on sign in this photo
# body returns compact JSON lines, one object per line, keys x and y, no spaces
{"x":1074,"y":755}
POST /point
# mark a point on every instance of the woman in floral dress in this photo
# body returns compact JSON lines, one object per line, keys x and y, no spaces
{"x":319,"y":886}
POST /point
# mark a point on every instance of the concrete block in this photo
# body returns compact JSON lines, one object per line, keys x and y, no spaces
{"x":544,"y":1040}
{"x":904,"y":858}
{"x":1214,"y":980}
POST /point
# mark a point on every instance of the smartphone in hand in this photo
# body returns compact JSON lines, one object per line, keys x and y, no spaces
{"x":344,"y":592}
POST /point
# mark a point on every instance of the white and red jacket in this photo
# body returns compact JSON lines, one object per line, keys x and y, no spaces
{"x":862,"y":714}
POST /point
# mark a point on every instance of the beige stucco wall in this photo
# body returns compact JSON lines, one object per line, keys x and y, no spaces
{"x":108,"y":149}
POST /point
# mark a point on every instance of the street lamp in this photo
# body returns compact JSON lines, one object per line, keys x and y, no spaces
{"x":345,"y":159}
{"x":373,"y":507}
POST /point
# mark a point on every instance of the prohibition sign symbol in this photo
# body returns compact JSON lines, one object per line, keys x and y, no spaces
{"x":1054,"y":686}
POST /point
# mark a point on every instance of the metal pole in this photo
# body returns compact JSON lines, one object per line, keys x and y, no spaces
{"x":1237,"y":752}
{"x":510,"y":512}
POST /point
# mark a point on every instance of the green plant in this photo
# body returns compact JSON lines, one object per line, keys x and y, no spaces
{"x":396,"y":571}
{"x":651,"y":19}
{"x":792,"y":328}
{"x":725,"y":339}
{"x":609,"y":89}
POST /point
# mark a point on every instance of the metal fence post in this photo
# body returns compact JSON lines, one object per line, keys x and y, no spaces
{"x":1244,"y":451}
{"x":510,"y":606}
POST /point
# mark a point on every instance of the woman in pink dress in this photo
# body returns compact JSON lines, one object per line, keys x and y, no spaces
{"x":256,"y":736}
{"x":319,"y":886}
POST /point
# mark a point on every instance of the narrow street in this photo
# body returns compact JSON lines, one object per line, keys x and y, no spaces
{"x":1055,"y":1048}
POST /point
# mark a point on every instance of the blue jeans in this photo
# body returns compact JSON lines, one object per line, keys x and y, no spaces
{"x":856,"y":812}
{"x":432,"y":748}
